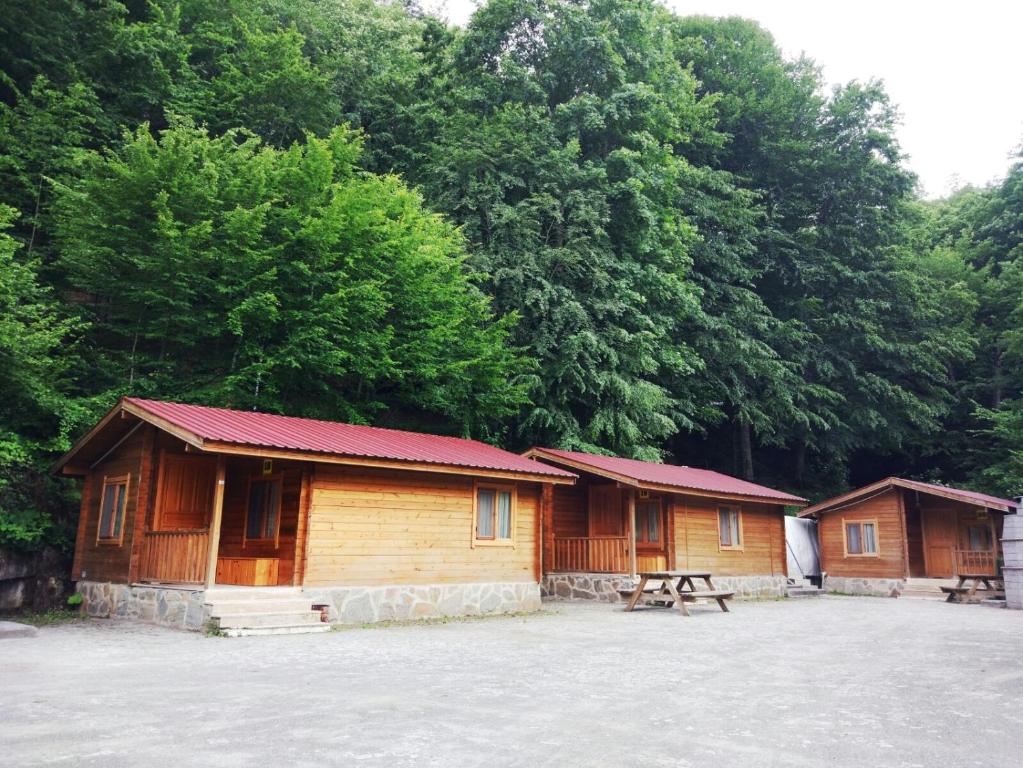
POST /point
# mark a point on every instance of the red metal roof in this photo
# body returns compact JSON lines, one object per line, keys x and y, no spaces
{"x":667,"y":474}
{"x":266,"y":430}
{"x":980,"y":498}
{"x":968,"y":497}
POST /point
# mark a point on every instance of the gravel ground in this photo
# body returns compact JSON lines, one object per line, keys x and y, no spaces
{"x":826,"y":682}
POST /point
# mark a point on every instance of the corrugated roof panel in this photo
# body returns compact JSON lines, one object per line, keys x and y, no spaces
{"x":267,"y":430}
{"x":673,"y":475}
{"x":980,"y":498}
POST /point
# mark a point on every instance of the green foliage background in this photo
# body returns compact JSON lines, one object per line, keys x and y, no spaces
{"x":594,"y":225}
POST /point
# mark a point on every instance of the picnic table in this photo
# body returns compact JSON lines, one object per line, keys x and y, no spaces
{"x":968,"y":589}
{"x":676,"y":588}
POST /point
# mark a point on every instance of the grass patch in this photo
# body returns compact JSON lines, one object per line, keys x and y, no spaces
{"x":50,"y":618}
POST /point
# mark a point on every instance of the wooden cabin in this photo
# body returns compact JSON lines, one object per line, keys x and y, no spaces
{"x":624,"y":516}
{"x":897,"y":529}
{"x":194,"y":498}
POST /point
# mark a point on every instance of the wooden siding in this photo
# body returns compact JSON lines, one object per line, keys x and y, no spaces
{"x":387,"y":527}
{"x":184,"y":491}
{"x":890,"y":562}
{"x":569,"y":516}
{"x":697,"y":545}
{"x":105,"y":561}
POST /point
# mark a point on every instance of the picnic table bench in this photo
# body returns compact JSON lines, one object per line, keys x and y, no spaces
{"x":968,"y":589}
{"x":676,"y":587}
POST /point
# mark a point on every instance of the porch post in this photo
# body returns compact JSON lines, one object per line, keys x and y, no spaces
{"x":547,"y":529}
{"x":218,"y":513}
{"x":630,"y":522}
{"x":905,"y":530}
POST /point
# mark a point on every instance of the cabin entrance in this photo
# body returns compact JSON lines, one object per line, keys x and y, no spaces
{"x":651,"y":535}
{"x":258,"y":527}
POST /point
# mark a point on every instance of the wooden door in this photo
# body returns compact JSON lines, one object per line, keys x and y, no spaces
{"x":940,"y":528}
{"x":651,"y":536}
{"x":606,"y":511}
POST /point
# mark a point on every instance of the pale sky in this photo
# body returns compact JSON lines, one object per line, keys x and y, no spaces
{"x":953,"y":69}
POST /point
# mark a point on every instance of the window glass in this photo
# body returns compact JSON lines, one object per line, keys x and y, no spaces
{"x":653,"y":527}
{"x":264,"y":509}
{"x":111,"y":511}
{"x":486,"y":501}
{"x":504,"y":515}
{"x":869,"y":539}
{"x":728,"y":527}
{"x":852,"y":539}
{"x":980,"y":537}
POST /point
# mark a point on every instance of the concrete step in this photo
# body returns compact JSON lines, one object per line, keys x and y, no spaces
{"x":251,"y":593}
{"x":269,"y":619}
{"x":281,"y":605}
{"x":804,"y":592}
{"x":279,"y":629}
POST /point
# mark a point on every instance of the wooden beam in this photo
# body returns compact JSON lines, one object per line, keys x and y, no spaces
{"x":670,"y":531}
{"x":630,"y":522}
{"x":905,"y":530}
{"x":83,"y":519}
{"x":218,"y":513}
{"x":547,"y":529}
{"x":302,"y":529}
{"x":143,"y":495}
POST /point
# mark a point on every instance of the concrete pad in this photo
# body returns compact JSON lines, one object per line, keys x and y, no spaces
{"x":9,"y":629}
{"x":840,"y":682}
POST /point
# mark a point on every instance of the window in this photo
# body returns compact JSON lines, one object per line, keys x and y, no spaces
{"x":263,"y":514}
{"x":729,"y":528}
{"x":494,"y":509}
{"x":648,"y":522}
{"x":978,"y":538}
{"x":861,"y":538}
{"x":111,"y":510}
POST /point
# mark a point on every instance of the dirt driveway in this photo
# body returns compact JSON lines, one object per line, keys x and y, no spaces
{"x":827,"y":682}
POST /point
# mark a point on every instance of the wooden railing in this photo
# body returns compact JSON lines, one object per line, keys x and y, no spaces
{"x":598,"y":554}
{"x":980,"y":562}
{"x":175,"y":556}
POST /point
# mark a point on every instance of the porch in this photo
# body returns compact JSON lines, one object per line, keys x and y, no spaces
{"x":603,"y":528}
{"x":216,"y":520}
{"x":947,"y":538}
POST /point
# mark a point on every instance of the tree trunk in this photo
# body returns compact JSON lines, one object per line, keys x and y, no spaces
{"x":996,"y":380}
{"x":800,"y":469}
{"x":746,"y":446}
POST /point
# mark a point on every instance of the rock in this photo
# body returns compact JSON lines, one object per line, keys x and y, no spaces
{"x":12,"y":629}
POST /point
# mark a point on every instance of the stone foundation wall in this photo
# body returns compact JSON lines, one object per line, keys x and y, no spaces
{"x":33,"y":580}
{"x":849,"y":585}
{"x":175,"y":608}
{"x":604,"y":587}
{"x":1012,"y":569}
{"x":366,"y":605}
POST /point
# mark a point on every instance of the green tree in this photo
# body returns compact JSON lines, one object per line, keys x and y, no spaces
{"x":35,"y":417}
{"x":229,"y":272}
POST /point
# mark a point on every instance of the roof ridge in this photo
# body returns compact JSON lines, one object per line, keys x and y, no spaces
{"x":313,"y":420}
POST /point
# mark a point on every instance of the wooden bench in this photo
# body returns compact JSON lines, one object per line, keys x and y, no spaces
{"x":654,"y":595}
{"x":709,"y":594}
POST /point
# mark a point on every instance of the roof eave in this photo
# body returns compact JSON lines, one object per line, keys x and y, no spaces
{"x":840,"y":502}
{"x":533,"y":453}
{"x":64,"y":465}
{"x":382,"y":463}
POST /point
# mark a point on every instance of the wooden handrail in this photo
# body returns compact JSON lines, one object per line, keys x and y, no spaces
{"x":177,"y":557}
{"x":975,"y":561}
{"x":592,"y":554}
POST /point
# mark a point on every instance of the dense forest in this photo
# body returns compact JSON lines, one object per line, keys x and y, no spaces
{"x":595,"y":225}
